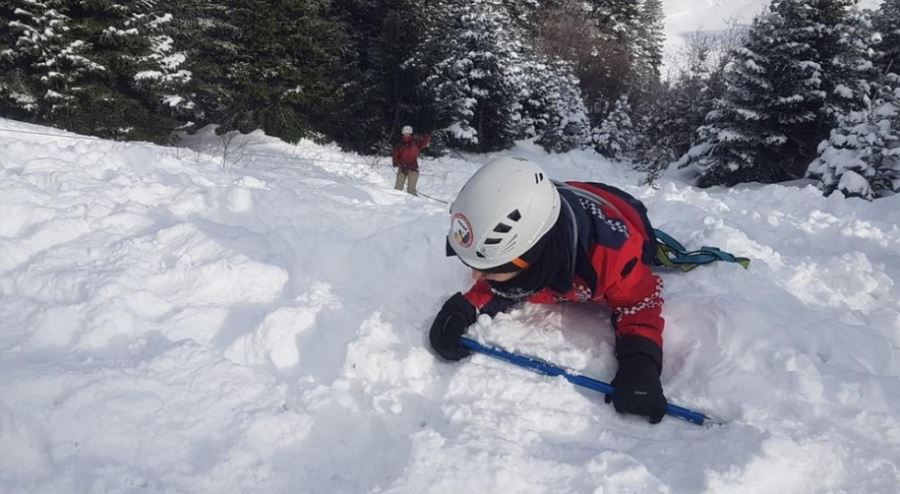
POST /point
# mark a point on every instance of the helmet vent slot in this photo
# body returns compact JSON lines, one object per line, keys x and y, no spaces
{"x":492,"y":241}
{"x":502,"y":228}
{"x":515,"y":215}
{"x":538,"y":177}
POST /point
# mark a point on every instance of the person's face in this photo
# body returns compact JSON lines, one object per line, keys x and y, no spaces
{"x":498,"y":277}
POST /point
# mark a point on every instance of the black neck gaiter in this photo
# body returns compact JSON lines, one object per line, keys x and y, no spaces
{"x":553,"y":268}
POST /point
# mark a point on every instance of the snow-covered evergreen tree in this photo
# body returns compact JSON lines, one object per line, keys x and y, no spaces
{"x":616,"y":137}
{"x":780,"y":99}
{"x":45,"y":64}
{"x":471,"y":56}
{"x":618,"y":18}
{"x":861,"y":158}
{"x":652,"y":29}
{"x":853,"y":70}
{"x":618,"y":48}
{"x":667,"y":131}
{"x":164,"y":80}
{"x":378,"y":94}
{"x":28,"y":32}
{"x":261,"y":65}
{"x":87,"y":66}
{"x":206,"y":30}
{"x":137,"y":95}
{"x":887,"y":23}
{"x":489,"y":87}
{"x":554,"y":107}
{"x":649,"y":50}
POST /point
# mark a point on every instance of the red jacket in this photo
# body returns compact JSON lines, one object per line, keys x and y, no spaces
{"x":406,"y":154}
{"x":621,"y":276}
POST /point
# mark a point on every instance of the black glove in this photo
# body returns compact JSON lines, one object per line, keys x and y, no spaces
{"x":454,"y":318}
{"x":637,"y":386}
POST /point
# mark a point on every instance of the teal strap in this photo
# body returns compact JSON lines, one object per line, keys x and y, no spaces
{"x":672,"y":254}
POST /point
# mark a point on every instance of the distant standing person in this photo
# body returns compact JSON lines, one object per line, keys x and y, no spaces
{"x":406,"y":158}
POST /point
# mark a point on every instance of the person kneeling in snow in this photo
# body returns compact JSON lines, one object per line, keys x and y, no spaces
{"x":530,"y":239}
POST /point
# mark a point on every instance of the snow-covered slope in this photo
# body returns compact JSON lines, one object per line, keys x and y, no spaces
{"x":171,"y":325}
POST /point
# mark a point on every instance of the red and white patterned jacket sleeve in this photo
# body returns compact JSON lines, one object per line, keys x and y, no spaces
{"x":631,"y":291}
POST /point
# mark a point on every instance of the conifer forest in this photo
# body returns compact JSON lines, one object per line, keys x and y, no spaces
{"x":810,"y":89}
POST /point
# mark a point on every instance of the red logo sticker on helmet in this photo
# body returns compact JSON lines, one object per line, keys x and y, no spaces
{"x":462,"y":230}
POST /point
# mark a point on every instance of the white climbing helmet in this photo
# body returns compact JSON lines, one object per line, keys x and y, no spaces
{"x":406,"y":129}
{"x":501,"y":212}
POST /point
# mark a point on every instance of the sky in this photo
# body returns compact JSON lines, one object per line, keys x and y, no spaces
{"x":179,"y":320}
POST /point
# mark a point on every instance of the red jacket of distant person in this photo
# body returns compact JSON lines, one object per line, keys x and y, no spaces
{"x":406,"y":154}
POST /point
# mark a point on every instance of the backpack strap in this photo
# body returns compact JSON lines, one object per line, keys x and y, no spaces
{"x":671,"y":254}
{"x":623,"y":206}
{"x":587,"y":195}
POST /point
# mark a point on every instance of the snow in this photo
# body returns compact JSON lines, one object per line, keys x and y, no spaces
{"x":184,"y":320}
{"x":853,"y":183}
{"x":843,"y":91}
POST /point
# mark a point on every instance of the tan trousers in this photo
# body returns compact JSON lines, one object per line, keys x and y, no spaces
{"x":402,"y":177}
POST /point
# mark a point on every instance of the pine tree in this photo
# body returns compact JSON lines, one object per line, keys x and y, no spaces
{"x":469,"y":57}
{"x":554,"y":107}
{"x":861,"y":158}
{"x":259,"y":65}
{"x":887,"y":22}
{"x":379,"y":92}
{"x":489,"y":86}
{"x":127,"y":99}
{"x":618,"y":19}
{"x":681,"y":105}
{"x":694,"y":95}
{"x":89,"y":66}
{"x":206,"y":30}
{"x":28,"y":31}
{"x":45,"y":66}
{"x":780,"y":99}
{"x":649,"y":52}
{"x":616,"y":137}
{"x":617,"y":47}
{"x":163,"y":83}
{"x":652,"y":37}
{"x":17,"y":98}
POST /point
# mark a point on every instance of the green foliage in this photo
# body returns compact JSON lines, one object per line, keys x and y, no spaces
{"x":887,"y":22}
{"x":464,"y":61}
{"x":781,"y":96}
{"x":263,"y":65}
{"x":861,"y":157}
{"x":556,"y":109}
{"x":616,"y":136}
{"x":351,"y":70}
{"x":85,"y":66}
{"x":378,"y":93}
